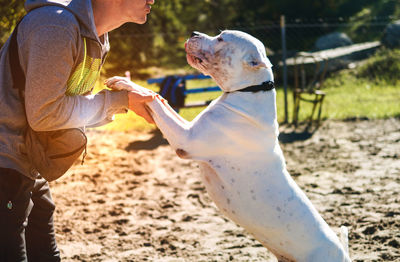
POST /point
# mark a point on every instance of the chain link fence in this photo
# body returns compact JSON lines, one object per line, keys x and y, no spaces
{"x":166,"y":49}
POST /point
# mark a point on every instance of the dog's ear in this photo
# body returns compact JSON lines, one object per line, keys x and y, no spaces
{"x":255,"y":61}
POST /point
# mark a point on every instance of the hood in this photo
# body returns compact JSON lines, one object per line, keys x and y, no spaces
{"x":82,"y":9}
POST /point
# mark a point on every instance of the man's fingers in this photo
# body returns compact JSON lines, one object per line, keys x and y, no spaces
{"x":120,"y":85}
{"x":113,"y":80}
{"x":140,"y":97}
{"x":113,"y":85}
{"x":109,"y":82}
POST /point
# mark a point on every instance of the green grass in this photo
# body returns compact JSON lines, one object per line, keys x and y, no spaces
{"x":348,"y":97}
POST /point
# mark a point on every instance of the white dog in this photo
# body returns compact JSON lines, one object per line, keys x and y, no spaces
{"x":236,"y":141}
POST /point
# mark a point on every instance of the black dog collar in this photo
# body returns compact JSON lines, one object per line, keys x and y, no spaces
{"x":265,"y":86}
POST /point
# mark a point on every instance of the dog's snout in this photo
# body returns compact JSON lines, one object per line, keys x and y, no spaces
{"x":194,"y":33}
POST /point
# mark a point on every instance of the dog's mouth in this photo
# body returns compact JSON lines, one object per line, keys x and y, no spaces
{"x":198,"y":59}
{"x":196,"y":62}
{"x":191,"y":56}
{"x":194,"y":59}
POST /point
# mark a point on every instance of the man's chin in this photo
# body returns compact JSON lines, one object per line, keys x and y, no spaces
{"x":140,"y":21}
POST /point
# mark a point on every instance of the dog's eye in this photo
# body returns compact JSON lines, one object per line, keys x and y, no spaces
{"x":219,"y":39}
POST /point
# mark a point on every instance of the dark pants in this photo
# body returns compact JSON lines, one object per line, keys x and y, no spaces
{"x":26,"y":219}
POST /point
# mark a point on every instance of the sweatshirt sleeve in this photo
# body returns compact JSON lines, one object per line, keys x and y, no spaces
{"x":47,"y":52}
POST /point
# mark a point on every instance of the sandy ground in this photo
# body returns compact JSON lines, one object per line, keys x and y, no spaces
{"x":135,"y":200}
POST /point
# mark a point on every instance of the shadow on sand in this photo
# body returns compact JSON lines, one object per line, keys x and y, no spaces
{"x":288,"y":135}
{"x":291,"y":134}
{"x":155,"y":141}
{"x":286,"y":138}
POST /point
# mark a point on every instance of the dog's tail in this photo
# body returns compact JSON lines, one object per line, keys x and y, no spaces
{"x":344,"y":238}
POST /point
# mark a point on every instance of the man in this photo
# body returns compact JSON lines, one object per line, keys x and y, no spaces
{"x":62,"y":45}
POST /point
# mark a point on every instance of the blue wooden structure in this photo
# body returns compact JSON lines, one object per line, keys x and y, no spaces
{"x":173,"y":88}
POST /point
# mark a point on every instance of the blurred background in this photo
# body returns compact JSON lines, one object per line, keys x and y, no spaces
{"x":286,"y":27}
{"x":159,"y":42}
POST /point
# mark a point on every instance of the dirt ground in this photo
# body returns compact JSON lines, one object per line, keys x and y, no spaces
{"x":135,"y":200}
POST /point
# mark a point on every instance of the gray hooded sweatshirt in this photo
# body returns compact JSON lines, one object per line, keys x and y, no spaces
{"x":61,"y":56}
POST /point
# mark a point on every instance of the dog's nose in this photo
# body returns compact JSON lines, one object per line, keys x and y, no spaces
{"x":194,"y":33}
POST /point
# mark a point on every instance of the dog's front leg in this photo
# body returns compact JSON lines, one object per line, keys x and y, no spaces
{"x":172,"y":112}
{"x":175,"y":129}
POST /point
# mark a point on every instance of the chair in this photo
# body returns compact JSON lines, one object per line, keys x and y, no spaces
{"x":307,"y":85}
{"x":173,"y":88}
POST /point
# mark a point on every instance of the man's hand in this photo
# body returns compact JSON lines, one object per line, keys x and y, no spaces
{"x":138,"y":95}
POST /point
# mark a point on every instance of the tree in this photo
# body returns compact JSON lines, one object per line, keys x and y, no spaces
{"x":11,"y":12}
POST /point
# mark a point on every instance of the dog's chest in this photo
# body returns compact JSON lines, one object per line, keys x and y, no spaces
{"x":232,"y":184}
{"x":222,"y":187}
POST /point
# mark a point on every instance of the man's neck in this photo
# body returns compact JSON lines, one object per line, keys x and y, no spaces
{"x":104,"y":17}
